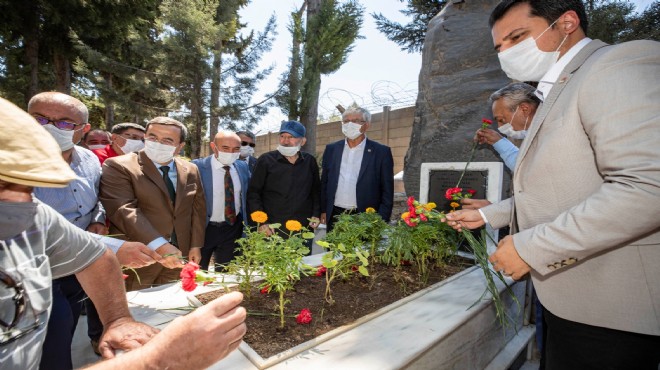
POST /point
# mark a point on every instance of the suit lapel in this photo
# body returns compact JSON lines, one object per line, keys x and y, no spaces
{"x":181,"y":180}
{"x":545,"y":107}
{"x":367,"y":158}
{"x":152,"y":173}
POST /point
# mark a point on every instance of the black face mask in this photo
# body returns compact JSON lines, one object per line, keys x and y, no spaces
{"x":16,"y":217}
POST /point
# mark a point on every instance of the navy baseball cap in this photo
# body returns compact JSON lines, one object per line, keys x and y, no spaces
{"x":295,"y":128}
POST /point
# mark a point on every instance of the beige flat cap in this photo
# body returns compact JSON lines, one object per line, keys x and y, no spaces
{"x":28,"y":153}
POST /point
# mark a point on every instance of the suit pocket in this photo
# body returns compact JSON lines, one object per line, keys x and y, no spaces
{"x":190,"y":190}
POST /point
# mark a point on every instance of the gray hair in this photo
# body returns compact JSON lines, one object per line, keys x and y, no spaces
{"x":514,"y":94}
{"x":170,"y":122}
{"x":63,"y":99}
{"x":366,"y":115}
{"x":120,"y":128}
{"x":247,"y":133}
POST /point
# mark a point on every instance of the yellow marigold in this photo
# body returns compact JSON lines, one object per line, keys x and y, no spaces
{"x":430,"y":206}
{"x":259,"y":217}
{"x":454,"y":205}
{"x":405,"y":215}
{"x":370,"y":210}
{"x":293,"y":225}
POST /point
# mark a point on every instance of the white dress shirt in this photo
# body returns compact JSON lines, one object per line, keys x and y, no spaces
{"x":218,"y":213}
{"x":549,"y":78}
{"x":351,"y":160}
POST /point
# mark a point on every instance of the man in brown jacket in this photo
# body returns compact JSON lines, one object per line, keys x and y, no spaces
{"x":157,"y":199}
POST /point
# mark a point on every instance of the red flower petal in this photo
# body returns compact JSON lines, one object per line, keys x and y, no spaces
{"x":304,"y":317}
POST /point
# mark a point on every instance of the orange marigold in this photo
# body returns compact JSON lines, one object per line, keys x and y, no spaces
{"x":370,"y":210}
{"x":405,"y":215}
{"x":293,"y":225}
{"x":454,"y":205}
{"x":429,"y":206}
{"x":259,"y":217}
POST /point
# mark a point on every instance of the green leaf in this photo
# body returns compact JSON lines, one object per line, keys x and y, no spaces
{"x":363,"y":271}
{"x":308,"y":235}
{"x":275,"y":226}
{"x":323,"y":243}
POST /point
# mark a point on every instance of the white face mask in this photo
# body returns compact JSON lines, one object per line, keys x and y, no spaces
{"x":132,"y":146}
{"x":526,"y":62}
{"x":508,"y":130}
{"x":288,"y":151}
{"x":246,"y":151}
{"x":226,"y":159}
{"x":64,"y":138}
{"x":159,"y":153}
{"x":351,"y":130}
{"x":94,"y":147}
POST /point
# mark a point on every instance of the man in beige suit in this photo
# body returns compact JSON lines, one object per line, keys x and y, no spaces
{"x":157,"y":199}
{"x":586,"y":185}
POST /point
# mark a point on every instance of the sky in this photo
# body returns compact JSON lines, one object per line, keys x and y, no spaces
{"x":376,"y":72}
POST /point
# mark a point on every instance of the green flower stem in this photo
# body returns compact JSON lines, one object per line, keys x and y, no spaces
{"x":281,"y":309}
{"x":474,"y":150}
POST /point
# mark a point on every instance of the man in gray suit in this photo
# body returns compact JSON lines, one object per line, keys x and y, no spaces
{"x":586,"y":185}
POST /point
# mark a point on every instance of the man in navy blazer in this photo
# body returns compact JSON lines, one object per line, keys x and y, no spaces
{"x":357,"y":172}
{"x":225,"y":182}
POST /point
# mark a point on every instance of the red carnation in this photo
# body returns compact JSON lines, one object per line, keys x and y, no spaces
{"x":411,"y":201}
{"x":304,"y":317}
{"x":124,"y":276}
{"x":188,"y":275}
{"x":486,"y":121}
{"x":321,"y":271}
{"x":449,"y":194}
{"x":472,"y":192}
{"x":423,"y":218}
{"x":264,"y":290}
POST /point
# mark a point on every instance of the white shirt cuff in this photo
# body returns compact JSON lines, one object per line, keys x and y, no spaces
{"x":111,"y":243}
{"x":483,"y":216}
{"x":156,"y":243}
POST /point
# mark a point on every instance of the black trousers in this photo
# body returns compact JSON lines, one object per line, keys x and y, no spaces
{"x":336,"y":211}
{"x":571,"y":345}
{"x":220,"y":242}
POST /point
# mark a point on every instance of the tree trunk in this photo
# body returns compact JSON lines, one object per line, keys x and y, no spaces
{"x":62,"y":72}
{"x":312,"y":81}
{"x":109,"y":106}
{"x":197,"y":117}
{"x":294,"y":73}
{"x":32,"y":55}
{"x":214,"y":104}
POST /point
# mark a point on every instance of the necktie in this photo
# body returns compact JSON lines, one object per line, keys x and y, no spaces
{"x":168,"y":182}
{"x":170,"y":189}
{"x":230,"y":208}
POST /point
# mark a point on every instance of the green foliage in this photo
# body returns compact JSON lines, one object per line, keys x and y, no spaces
{"x":342,"y":261}
{"x":608,"y":20}
{"x":357,"y":230}
{"x":276,"y":257}
{"x":646,"y":26}
{"x":428,"y":242}
{"x":410,"y":36}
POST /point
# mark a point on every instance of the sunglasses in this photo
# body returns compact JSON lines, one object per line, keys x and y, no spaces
{"x":62,"y":125}
{"x":10,"y":333}
{"x":244,"y":143}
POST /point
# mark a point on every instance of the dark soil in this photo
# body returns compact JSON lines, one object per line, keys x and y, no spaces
{"x":354,"y":298}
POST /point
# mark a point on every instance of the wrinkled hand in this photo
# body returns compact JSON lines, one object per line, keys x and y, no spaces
{"x":507,"y":260}
{"x":97,"y":228}
{"x":469,"y":203}
{"x":468,"y":218}
{"x":314,"y":222}
{"x":136,"y":254}
{"x":323,"y":219}
{"x":216,"y":328}
{"x":266,"y":229}
{"x":195,"y":255}
{"x":173,"y":259}
{"x":487,"y":136}
{"x":124,"y":334}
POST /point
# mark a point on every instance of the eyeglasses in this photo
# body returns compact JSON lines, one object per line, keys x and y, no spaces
{"x":62,"y":125}
{"x":10,"y":332}
{"x":164,"y":141}
{"x":244,"y":143}
{"x":359,"y":122}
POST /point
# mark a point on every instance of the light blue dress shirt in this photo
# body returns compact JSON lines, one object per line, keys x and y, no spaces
{"x":507,"y":151}
{"x":78,"y":202}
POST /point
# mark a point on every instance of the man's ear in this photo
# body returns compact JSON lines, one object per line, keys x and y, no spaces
{"x":86,"y":128}
{"x":569,"y":22}
{"x":213,"y":147}
{"x":304,"y":140}
{"x":525,"y":108}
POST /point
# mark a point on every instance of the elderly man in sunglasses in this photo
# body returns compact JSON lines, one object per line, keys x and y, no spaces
{"x":37,"y":243}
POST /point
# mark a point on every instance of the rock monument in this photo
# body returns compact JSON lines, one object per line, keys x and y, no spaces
{"x":459,"y":71}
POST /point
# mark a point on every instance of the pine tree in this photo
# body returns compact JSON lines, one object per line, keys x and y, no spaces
{"x":410,"y":36}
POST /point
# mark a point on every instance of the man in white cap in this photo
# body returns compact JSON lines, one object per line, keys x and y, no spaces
{"x":37,"y":243}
